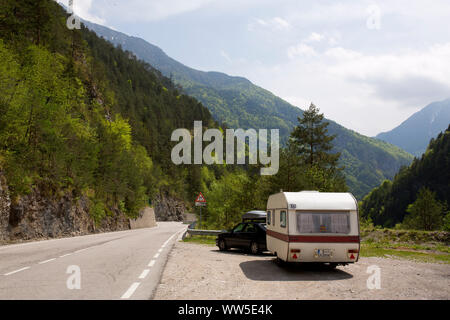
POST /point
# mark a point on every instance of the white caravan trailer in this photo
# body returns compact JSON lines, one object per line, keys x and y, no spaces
{"x":312,"y":226}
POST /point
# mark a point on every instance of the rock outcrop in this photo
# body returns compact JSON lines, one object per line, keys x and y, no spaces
{"x":168,"y":208}
{"x":5,"y":203}
{"x":35,"y":216}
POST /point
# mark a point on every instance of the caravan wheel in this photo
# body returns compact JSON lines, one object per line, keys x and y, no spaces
{"x":279,"y":261}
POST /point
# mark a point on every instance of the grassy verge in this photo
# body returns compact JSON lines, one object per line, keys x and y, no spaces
{"x":402,"y":251}
{"x":207,"y":240}
{"x":423,"y":246}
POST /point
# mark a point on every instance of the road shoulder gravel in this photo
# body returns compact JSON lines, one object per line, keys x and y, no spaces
{"x":195,"y":271}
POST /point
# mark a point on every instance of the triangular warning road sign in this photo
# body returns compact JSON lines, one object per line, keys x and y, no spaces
{"x":200,"y":198}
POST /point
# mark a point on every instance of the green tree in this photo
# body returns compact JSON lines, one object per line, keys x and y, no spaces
{"x":425,"y":212}
{"x":312,"y":140}
{"x":232,"y":195}
{"x":308,"y":163}
{"x":446,"y":222}
{"x":290,"y":172}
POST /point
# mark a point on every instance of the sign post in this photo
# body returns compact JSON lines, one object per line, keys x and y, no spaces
{"x":200,"y":201}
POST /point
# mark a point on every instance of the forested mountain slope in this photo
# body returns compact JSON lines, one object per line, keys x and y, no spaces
{"x":414,"y":134}
{"x":241,"y":104}
{"x":387,"y":204}
{"x":81,"y":117}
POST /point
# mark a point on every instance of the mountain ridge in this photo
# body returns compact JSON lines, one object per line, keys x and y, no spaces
{"x":238,"y":103}
{"x":414,"y":134}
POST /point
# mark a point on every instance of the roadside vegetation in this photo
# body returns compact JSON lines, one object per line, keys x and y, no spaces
{"x":207,"y":240}
{"x":417,"y":245}
{"x":419,"y":195}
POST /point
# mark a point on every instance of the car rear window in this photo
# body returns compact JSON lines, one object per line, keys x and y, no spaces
{"x":323,"y":222}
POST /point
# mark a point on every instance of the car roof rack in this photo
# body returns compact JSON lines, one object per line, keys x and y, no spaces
{"x":254,"y":216}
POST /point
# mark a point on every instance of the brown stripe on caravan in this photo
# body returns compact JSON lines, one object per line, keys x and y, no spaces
{"x":321,"y":239}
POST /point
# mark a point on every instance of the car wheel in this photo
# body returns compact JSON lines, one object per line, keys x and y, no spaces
{"x":254,"y":248}
{"x":222,"y":245}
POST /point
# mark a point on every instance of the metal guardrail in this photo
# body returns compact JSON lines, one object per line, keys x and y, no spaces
{"x":195,"y":232}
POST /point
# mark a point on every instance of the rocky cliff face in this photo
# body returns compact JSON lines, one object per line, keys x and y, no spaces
{"x":37,"y":216}
{"x":4,"y":207}
{"x":168,"y":208}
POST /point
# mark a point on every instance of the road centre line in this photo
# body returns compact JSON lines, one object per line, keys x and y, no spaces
{"x":156,"y":256}
{"x":65,"y":255}
{"x":15,"y":271}
{"x":167,"y":241}
{"x":42,"y":262}
{"x":151,"y":263}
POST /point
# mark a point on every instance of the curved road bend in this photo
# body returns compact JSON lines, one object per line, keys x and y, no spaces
{"x":115,"y":265}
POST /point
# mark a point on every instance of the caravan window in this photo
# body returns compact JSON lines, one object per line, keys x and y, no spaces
{"x":283,"y":219}
{"x":268,"y":217}
{"x":323,"y":222}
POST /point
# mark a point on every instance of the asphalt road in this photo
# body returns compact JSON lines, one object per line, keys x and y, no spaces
{"x":116,"y":265}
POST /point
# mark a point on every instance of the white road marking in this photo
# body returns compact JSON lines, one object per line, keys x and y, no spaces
{"x":65,"y":255}
{"x":130,"y":290}
{"x":144,"y":273}
{"x":180,"y":236}
{"x":81,"y":250}
{"x":167,"y":241}
{"x":15,"y":271}
{"x":42,"y":262}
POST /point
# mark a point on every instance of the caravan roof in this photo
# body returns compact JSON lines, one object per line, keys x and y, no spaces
{"x":313,"y":200}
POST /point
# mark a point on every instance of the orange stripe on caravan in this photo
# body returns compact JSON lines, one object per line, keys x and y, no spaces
{"x":321,"y":239}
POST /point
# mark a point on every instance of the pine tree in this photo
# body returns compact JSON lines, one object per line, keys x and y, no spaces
{"x":312,"y":140}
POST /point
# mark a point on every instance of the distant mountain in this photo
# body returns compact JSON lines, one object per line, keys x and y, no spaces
{"x":241,"y":104}
{"x":387,"y":204}
{"x":414,"y":134}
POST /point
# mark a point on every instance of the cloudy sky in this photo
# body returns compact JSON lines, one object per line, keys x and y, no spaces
{"x":366,"y":64}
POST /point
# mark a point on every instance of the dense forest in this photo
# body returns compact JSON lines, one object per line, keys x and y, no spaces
{"x":421,"y":189}
{"x":79,"y":116}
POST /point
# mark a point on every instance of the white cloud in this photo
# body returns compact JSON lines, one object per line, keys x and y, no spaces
{"x":315,"y":37}
{"x":369,"y":93}
{"x":276,"y":23}
{"x":83,"y":8}
{"x":280,"y":23}
{"x":134,"y":10}
{"x":301,"y":50}
{"x":226,"y":56}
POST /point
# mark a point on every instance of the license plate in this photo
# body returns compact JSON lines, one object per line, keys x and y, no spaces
{"x":324,"y":252}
